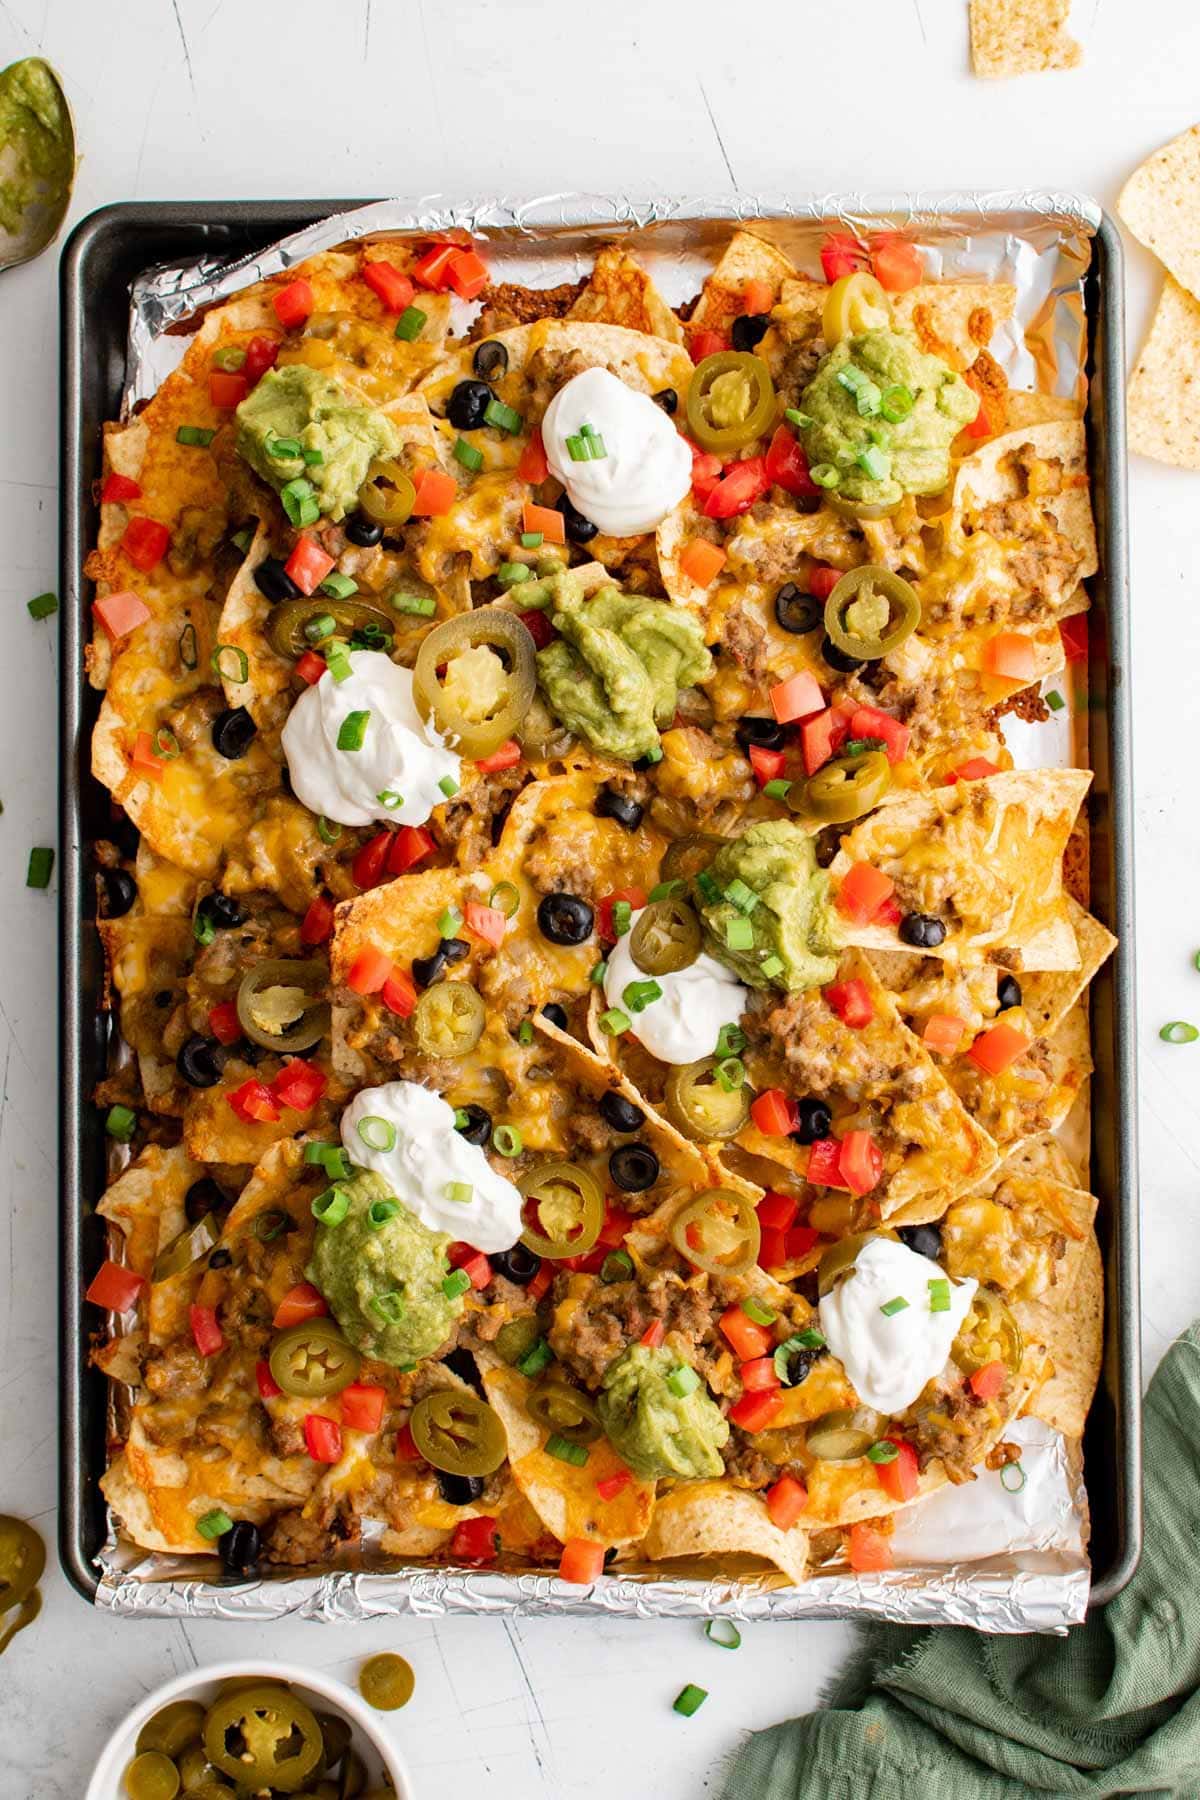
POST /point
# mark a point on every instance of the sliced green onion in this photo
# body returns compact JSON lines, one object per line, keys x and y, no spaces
{"x":312,"y":456}
{"x":739,"y":934}
{"x":503,"y":417}
{"x":1055,"y":701}
{"x":812,"y":1339}
{"x":449,"y":921}
{"x":410,"y":324}
{"x":772,"y":966}
{"x":448,"y":786}
{"x":723,"y":1633}
{"x":566,"y":1451}
{"x":617,"y":1266}
{"x":299,"y":501}
{"x":638,"y":995}
{"x":420,"y":605}
{"x":826,"y":475}
{"x":525,"y":1032}
{"x":754,"y":1309}
{"x":505,"y":898}
{"x":188,"y":654}
{"x":229,"y":357}
{"x":709,"y":890}
{"x":882,"y":1452}
{"x":380,"y":1211}
{"x":468,"y":455}
{"x":777,"y":789}
{"x":598,"y":971}
{"x":221,"y":658}
{"x":577,"y":449}
{"x":664,"y":890}
{"x":390,"y":798}
{"x":389,"y":1306}
{"x":337,"y":662}
{"x":42,"y":605}
{"x":330,"y":1157}
{"x":801,"y":420}
{"x":338,"y":587}
{"x":166,"y":744}
{"x":120,"y":1123}
{"x":655,"y":755}
{"x":41,"y":867}
{"x":353,"y":730}
{"x":731,"y":1041}
{"x":203,"y":929}
{"x":462,"y":1118}
{"x":1177,"y":1032}
{"x":896,"y":404}
{"x":199,"y":436}
{"x":690,"y":1699}
{"x":460,"y":1192}
{"x":531,"y":540}
{"x":939,"y":1295}
{"x":214,"y":1524}
{"x":783,"y":1353}
{"x":331,"y":1206}
{"x":874,"y":462}
{"x":1009,"y":1471}
{"x":284,"y":449}
{"x":512,"y":574}
{"x":614,"y":1021}
{"x":890,"y":1308}
{"x":377,"y":1133}
{"x":323,"y":625}
{"x":622,"y":917}
{"x":327,"y":831}
{"x":507,"y":1140}
{"x":535,"y":1359}
{"x":741,"y":896}
{"x":730,"y":1073}
{"x":457,"y":1282}
{"x":683,"y":1381}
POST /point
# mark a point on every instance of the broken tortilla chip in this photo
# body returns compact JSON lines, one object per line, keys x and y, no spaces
{"x":1164,"y":419}
{"x":1160,"y":203}
{"x":710,"y":1518}
{"x":1021,"y":37}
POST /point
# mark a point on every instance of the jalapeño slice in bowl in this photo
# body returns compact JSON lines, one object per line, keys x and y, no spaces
{"x":701,"y":1106}
{"x":844,"y":789}
{"x":564,"y":1409}
{"x":263,"y":1737}
{"x":458,"y":1433}
{"x":731,"y":400}
{"x":666,"y":937}
{"x":854,"y":304}
{"x":173,"y":1729}
{"x":718,"y":1231}
{"x":279,"y":1004}
{"x":990,"y":1333}
{"x":449,"y":1019}
{"x":312,"y":1360}
{"x":567,"y":1204}
{"x":871,"y":612}
{"x":286,"y":622}
{"x":387,"y":496}
{"x":480,"y":704}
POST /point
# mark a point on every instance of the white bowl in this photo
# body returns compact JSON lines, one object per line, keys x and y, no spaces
{"x":320,"y":1691}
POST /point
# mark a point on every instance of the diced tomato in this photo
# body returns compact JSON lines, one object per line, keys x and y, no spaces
{"x":144,"y":542}
{"x":294,"y":303}
{"x":748,"y":1339}
{"x":869,"y":1549}
{"x":546,"y":519}
{"x":758,"y":1375}
{"x":539,"y":1287}
{"x":509,"y":753}
{"x":487,"y":922}
{"x":800,"y":1240}
{"x":822,"y":579}
{"x":611,"y":1485}
{"x":1011,"y":655}
{"x":582,"y":1561}
{"x":316,"y":927}
{"x":299,"y":1304}
{"x":468,"y":274}
{"x":777,"y":1211}
{"x":754,"y":1412}
{"x":299,"y":1084}
{"x":987,"y":1382}
{"x":310,"y":668}
{"x":851,"y":1001}
{"x":741,"y":485}
{"x":370,"y":861}
{"x":706,"y":343}
{"x":978,"y":768}
{"x":616,"y":1224}
{"x":772,"y":1247}
{"x":121,"y":613}
{"x":540,"y":630}
{"x":757,"y":297}
{"x":825,"y":1163}
{"x":533,"y":466}
{"x":475,"y":1541}
{"x":411,"y":845}
{"x":206,"y":1329}
{"x":786,"y":1500}
{"x":636,"y":898}
{"x":999,"y":1048}
{"x":227,"y":388}
{"x":900,"y":1477}
{"x":322,"y":1436}
{"x":653,"y":1335}
{"x":362,"y":1406}
{"x":943,"y":1032}
{"x":787,"y":464}
{"x":1074,"y":635}
{"x":897,"y":264}
{"x":435,"y":493}
{"x":767,"y":764}
{"x":406,"y":1446}
{"x":393,"y":287}
{"x":869,"y":722}
{"x":889,"y":913}
{"x":701,"y":561}
{"x":399,"y":994}
{"x":799,"y":697}
{"x":261,"y":354}
{"x":268,"y":1387}
{"x":860,"y":1162}
{"x":816,"y":740}
{"x":223,"y":1022}
{"x":254,"y":1102}
{"x":432,"y":269}
{"x":308,"y":565}
{"x":841,"y":255}
{"x":369,"y":970}
{"x":706,"y":469}
{"x":114,"y":1287}
{"x":145,"y":759}
{"x":476,"y":1264}
{"x":773,"y":1113}
{"x":863,"y":891}
{"x":118,"y":488}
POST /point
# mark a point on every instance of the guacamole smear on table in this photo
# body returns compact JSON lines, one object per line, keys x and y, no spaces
{"x":614,"y":674}
{"x":37,"y":146}
{"x":660,"y":1434}
{"x":882,"y":417}
{"x":766,"y":886}
{"x":297,"y":405}
{"x":399,"y":1264}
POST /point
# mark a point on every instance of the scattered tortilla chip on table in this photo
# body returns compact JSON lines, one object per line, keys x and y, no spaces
{"x":1021,"y":37}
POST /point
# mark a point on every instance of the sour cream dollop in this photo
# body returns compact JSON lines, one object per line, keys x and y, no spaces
{"x":400,"y":754}
{"x":888,"y":1357}
{"x":427,"y":1159}
{"x":685,"y":1024}
{"x":647,"y":468}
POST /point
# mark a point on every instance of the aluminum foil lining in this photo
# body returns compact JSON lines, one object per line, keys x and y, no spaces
{"x":1026,"y":1567}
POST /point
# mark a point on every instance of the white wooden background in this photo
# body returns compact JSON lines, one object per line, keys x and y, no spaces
{"x":199,"y":98}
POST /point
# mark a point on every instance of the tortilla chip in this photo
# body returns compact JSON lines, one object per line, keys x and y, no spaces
{"x":1023,"y":1231}
{"x":745,"y":258}
{"x":1072,"y":1329}
{"x":1164,"y":419}
{"x":715,"y":1519}
{"x":1023,"y":409}
{"x":1021,"y":37}
{"x":1160,"y":203}
{"x":147,"y":1202}
{"x":990,"y":477}
{"x":621,"y":292}
{"x":1048,"y":997}
{"x":954,"y":319}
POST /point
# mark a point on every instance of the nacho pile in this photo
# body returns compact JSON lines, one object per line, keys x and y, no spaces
{"x":600,"y":998}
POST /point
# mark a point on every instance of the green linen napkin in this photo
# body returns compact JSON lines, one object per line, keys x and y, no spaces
{"x":945,"y":1713}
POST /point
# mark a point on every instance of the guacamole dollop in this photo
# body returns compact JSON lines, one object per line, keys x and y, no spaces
{"x":319,"y":414}
{"x":37,"y":146}
{"x":794,"y":944}
{"x":660,"y":1434}
{"x":880,"y":460}
{"x":614,"y":673}
{"x":355,"y":1263}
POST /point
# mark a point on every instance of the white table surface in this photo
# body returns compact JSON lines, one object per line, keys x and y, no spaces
{"x":178,"y":99}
